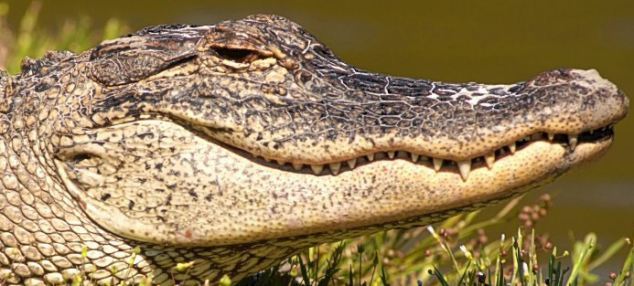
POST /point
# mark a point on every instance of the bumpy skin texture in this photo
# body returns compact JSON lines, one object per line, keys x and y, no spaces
{"x":148,"y":151}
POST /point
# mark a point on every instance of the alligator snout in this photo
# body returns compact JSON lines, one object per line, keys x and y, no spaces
{"x":337,"y":121}
{"x":576,"y":101}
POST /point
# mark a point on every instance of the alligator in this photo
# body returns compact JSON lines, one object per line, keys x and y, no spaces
{"x":230,"y":147}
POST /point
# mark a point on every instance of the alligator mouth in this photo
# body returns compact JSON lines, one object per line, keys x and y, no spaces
{"x":438,"y":164}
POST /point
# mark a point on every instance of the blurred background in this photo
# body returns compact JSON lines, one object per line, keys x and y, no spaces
{"x":494,"y":41}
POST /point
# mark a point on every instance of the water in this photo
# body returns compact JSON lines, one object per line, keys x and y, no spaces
{"x":491,"y":41}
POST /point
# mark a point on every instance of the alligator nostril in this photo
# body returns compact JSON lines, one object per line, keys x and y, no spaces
{"x":593,"y":72}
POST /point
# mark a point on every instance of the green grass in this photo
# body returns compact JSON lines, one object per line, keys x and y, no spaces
{"x":458,"y":251}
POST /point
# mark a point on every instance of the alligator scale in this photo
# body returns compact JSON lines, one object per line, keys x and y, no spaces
{"x":235,"y":145}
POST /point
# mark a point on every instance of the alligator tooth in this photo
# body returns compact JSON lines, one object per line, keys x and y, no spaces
{"x":465,"y":168}
{"x":414,"y":157}
{"x":279,"y":162}
{"x":317,"y":169}
{"x":351,"y":163}
{"x":489,"y":159}
{"x":437,"y":164}
{"x":334,"y":168}
{"x":370,"y":157}
{"x":572,"y":141}
{"x":391,"y":154}
{"x":551,"y":136}
{"x":512,"y":148}
{"x":297,"y":166}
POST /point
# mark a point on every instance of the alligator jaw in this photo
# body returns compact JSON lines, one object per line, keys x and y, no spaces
{"x":298,"y":204}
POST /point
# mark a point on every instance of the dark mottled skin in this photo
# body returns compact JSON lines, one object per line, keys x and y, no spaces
{"x":110,"y":131}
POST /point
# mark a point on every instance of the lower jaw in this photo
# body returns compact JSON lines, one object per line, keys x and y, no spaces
{"x":431,"y":191}
{"x":391,"y":192}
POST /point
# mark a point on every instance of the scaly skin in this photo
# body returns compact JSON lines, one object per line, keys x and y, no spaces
{"x":157,"y":148}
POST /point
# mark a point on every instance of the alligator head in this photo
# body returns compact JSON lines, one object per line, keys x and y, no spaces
{"x":251,"y":131}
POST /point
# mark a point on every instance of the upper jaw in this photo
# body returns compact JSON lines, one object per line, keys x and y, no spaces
{"x":569,"y":123}
{"x":338,"y":132}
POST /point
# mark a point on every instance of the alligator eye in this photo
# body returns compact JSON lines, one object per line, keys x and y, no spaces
{"x":237,"y":55}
